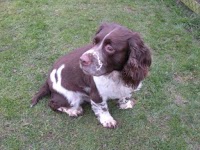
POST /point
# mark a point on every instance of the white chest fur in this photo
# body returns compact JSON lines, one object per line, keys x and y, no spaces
{"x":112,"y":87}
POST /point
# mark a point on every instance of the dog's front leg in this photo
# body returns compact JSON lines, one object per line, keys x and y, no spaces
{"x":100,"y":108}
{"x":126,"y":103}
{"x":103,"y":115}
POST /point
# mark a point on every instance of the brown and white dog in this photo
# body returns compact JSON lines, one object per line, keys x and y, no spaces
{"x":110,"y":68}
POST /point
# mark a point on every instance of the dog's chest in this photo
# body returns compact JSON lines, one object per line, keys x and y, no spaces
{"x":112,"y":87}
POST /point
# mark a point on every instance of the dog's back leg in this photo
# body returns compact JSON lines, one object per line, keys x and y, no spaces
{"x":60,"y":103}
{"x":57,"y":101}
{"x":44,"y":90}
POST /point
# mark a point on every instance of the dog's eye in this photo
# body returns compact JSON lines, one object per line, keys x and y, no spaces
{"x":109,"y":49}
{"x":96,"y":41}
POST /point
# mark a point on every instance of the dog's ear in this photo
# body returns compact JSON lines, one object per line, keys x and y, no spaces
{"x":139,"y":61}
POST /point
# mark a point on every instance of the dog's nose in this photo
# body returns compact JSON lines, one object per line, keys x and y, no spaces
{"x":85,"y":60}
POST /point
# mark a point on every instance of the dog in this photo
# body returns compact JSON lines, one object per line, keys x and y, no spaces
{"x":112,"y":67}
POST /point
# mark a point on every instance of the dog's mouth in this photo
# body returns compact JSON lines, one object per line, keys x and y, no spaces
{"x":86,"y":72}
{"x":91,"y":70}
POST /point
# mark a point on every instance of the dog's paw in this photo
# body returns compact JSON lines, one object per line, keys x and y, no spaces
{"x":72,"y":112}
{"x":107,"y":121}
{"x":129,"y":104}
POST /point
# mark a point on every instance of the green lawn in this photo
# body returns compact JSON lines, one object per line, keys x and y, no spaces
{"x":34,"y":33}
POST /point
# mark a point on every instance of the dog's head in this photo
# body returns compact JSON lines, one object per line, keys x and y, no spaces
{"x":117,"y":48}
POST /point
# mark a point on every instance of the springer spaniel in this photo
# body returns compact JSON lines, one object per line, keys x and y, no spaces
{"x":110,"y":68}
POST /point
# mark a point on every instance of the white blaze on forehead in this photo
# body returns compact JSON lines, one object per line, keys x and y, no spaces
{"x":100,"y":46}
{"x":95,"y":51}
{"x":91,"y":51}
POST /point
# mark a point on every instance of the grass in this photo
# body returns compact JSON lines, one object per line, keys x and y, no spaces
{"x":33,"y":34}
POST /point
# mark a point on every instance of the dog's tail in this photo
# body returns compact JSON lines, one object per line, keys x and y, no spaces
{"x":44,"y":90}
